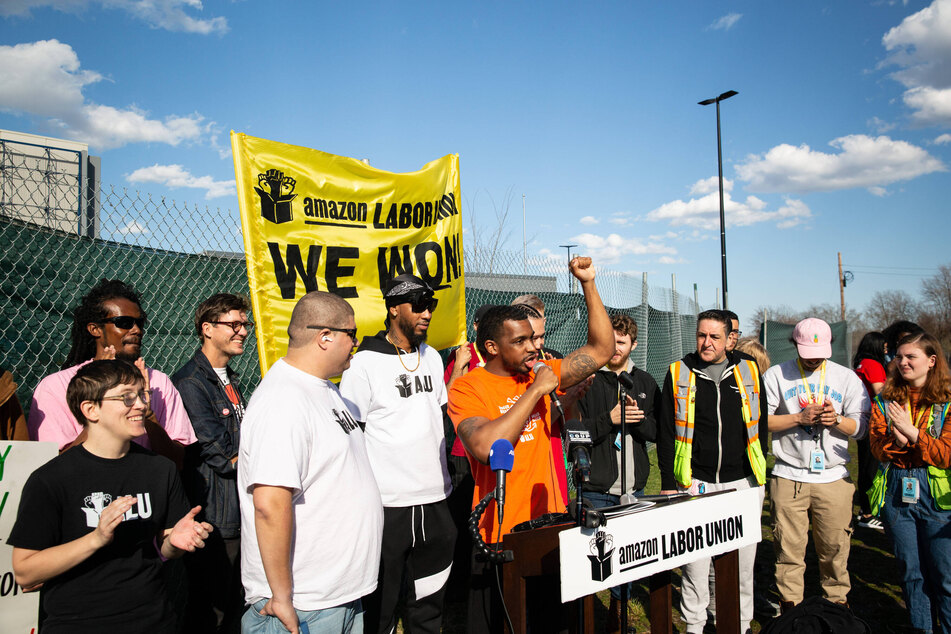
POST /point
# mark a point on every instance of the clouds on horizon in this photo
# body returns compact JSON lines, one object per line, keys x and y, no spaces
{"x":44,"y":79}
{"x":703,"y":212}
{"x":173,"y":176}
{"x":613,"y":247}
{"x":170,"y":15}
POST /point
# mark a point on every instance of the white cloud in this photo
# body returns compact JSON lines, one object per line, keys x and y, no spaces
{"x":921,"y":47}
{"x":880,"y":125}
{"x":943,"y":139}
{"x":613,"y":247}
{"x":931,"y":105}
{"x":712,"y":184}
{"x":878,"y":191}
{"x":177,"y":176}
{"x":726,"y":22}
{"x":863,"y":161}
{"x":171,"y":15}
{"x":44,"y":78}
{"x":704,"y":212}
{"x":666,"y":259}
{"x":133,"y":228}
{"x":589,"y":220}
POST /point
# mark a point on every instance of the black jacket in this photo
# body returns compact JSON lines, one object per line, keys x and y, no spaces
{"x":719,"y":437}
{"x":209,"y":476}
{"x":596,"y":408}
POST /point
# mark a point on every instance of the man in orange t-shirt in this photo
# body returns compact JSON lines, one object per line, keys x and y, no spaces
{"x":507,"y":399}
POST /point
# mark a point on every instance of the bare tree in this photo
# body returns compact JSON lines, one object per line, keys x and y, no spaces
{"x":887,"y":307}
{"x":936,"y":314}
{"x":489,"y":234}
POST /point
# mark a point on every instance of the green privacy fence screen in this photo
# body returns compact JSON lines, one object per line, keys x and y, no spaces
{"x":175,"y":256}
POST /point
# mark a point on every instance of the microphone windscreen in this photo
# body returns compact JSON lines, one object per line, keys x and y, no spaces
{"x":501,"y":455}
{"x":538,"y":366}
{"x":626,"y":381}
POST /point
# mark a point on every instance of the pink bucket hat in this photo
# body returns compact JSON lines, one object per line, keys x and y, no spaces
{"x":813,"y":339}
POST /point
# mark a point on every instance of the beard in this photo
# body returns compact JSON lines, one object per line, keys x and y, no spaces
{"x":409,"y":331}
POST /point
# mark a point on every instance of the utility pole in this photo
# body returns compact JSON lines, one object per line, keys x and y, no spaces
{"x":841,"y":287}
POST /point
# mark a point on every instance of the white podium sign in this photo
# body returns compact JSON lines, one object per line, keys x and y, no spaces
{"x":18,"y":459}
{"x":661,"y":538}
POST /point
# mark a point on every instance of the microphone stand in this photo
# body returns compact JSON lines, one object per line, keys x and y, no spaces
{"x":622,"y":401}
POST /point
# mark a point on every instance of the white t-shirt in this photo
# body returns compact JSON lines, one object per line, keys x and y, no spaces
{"x":298,"y":433}
{"x":402,"y":410}
{"x":793,"y":447}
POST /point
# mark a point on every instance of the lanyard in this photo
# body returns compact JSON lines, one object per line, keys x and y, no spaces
{"x":922,"y":411}
{"x":479,"y":356}
{"x":822,"y":383}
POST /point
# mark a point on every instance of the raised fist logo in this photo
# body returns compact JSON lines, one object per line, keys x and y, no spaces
{"x":404,"y":386}
{"x":276,"y":192}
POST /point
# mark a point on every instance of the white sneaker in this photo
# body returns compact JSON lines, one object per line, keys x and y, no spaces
{"x":871,"y":522}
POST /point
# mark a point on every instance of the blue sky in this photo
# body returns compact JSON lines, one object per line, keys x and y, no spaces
{"x":840,"y":136}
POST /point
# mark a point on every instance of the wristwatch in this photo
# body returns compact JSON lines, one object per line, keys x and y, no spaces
{"x":838,"y":419}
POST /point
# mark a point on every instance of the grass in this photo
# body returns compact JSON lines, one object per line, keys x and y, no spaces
{"x":875,"y":596}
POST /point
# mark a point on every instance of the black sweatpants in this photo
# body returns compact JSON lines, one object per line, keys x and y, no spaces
{"x":415,"y":562}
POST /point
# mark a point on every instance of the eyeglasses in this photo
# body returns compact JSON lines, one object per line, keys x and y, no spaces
{"x":129,"y":398}
{"x":236,"y":325}
{"x":350,"y":332}
{"x":422,"y":304}
{"x":739,"y":333}
{"x":124,"y":322}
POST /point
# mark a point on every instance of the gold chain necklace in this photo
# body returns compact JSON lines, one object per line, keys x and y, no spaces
{"x":399,"y":355}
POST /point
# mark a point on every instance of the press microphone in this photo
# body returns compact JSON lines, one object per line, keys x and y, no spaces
{"x":501,"y":459}
{"x":579,"y":439}
{"x":554,"y":392}
{"x":626,"y":381}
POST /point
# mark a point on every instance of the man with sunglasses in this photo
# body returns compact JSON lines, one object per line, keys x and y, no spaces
{"x":395,"y":385}
{"x":214,"y":403}
{"x":311,"y":516}
{"x":110,"y":323}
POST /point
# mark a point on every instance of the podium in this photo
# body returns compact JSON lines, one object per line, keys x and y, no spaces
{"x":563,"y":550}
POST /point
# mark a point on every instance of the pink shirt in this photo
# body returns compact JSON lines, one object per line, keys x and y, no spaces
{"x":51,"y":420}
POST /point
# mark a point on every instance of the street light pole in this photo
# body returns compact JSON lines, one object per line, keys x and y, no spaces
{"x":571,"y":280}
{"x":707,"y":102}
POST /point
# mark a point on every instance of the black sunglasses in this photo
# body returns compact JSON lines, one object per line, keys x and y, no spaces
{"x":422,"y":304}
{"x":124,"y":322}
{"x":350,"y":332}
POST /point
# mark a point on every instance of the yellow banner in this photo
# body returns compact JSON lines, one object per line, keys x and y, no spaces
{"x":315,"y":221}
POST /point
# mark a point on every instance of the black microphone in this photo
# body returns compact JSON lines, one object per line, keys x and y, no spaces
{"x":626,"y":381}
{"x":501,"y":459}
{"x":554,"y":392}
{"x":579,"y":439}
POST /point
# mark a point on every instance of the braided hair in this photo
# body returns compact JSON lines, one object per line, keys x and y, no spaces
{"x":91,"y":310}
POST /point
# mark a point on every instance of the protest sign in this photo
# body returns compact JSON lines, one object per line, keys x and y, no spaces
{"x":316,"y":221}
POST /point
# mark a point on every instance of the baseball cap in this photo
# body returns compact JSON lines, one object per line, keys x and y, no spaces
{"x":813,"y":339}
{"x":481,"y":311}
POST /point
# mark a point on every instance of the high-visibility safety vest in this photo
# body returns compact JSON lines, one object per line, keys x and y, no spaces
{"x":746,"y":375}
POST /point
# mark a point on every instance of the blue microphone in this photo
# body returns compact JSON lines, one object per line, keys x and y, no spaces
{"x":501,"y":459}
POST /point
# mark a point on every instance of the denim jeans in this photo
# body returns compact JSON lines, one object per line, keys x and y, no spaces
{"x":921,"y":536}
{"x":342,"y":619}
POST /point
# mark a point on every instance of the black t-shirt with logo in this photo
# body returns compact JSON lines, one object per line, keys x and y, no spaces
{"x":119,"y":588}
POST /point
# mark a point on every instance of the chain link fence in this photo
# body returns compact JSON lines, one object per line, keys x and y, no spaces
{"x":176,"y":255}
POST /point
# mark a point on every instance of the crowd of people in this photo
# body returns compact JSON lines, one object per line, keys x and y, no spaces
{"x":313,"y":507}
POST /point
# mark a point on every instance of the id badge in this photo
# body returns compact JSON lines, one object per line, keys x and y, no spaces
{"x":817,"y":461}
{"x":617,"y":442}
{"x":909,"y":490}
{"x":697,"y":488}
